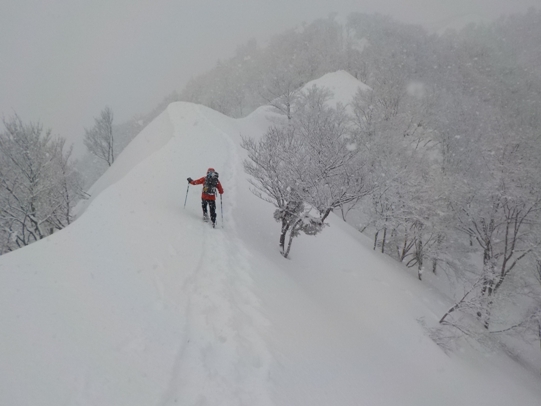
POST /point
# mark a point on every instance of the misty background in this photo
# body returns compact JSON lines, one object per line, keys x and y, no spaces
{"x":433,"y":155}
{"x":63,"y":61}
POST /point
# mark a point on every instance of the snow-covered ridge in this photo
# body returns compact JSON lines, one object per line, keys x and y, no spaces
{"x":141,"y":303}
{"x":162,"y":129}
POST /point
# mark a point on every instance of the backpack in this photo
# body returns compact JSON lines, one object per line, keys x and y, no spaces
{"x":211,"y":181}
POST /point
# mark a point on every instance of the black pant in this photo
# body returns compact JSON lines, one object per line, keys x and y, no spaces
{"x":212,"y":206}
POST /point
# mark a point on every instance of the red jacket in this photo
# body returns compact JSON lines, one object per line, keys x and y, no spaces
{"x":205,"y":195}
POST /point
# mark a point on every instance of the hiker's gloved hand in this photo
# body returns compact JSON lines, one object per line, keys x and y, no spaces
{"x":190,"y":180}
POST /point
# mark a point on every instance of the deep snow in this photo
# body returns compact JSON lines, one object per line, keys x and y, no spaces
{"x":140,"y":303}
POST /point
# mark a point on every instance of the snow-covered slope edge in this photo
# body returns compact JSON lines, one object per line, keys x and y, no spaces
{"x":149,"y":140}
{"x":140,"y":303}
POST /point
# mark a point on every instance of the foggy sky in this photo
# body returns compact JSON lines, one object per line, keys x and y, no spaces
{"x":63,"y":61}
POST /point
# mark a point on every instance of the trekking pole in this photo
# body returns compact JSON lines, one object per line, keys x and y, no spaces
{"x":222,"y":210}
{"x":187,"y":190}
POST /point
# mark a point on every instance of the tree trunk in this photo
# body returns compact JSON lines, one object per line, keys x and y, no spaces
{"x":327,"y":212}
{"x":419,"y":255}
{"x":539,"y":322}
{"x":488,"y":288}
{"x":283,"y":233}
{"x":486,"y":301}
{"x":293,"y":228}
{"x":402,"y":253}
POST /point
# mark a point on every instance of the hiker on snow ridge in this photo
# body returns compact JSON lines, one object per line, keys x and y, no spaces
{"x":208,"y":197}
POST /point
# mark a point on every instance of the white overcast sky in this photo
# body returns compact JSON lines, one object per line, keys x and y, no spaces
{"x":62,"y":61}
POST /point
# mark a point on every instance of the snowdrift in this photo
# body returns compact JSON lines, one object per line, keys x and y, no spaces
{"x":140,"y":303}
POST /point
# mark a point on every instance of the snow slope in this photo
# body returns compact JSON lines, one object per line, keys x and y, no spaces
{"x":140,"y":303}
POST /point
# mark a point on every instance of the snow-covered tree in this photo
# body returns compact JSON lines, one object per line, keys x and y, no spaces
{"x":391,"y":123}
{"x":335,"y":170}
{"x":308,"y":167}
{"x":502,"y":210}
{"x":38,"y":184}
{"x":100,"y":138}
{"x":281,"y":92}
{"x":272,"y":164}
